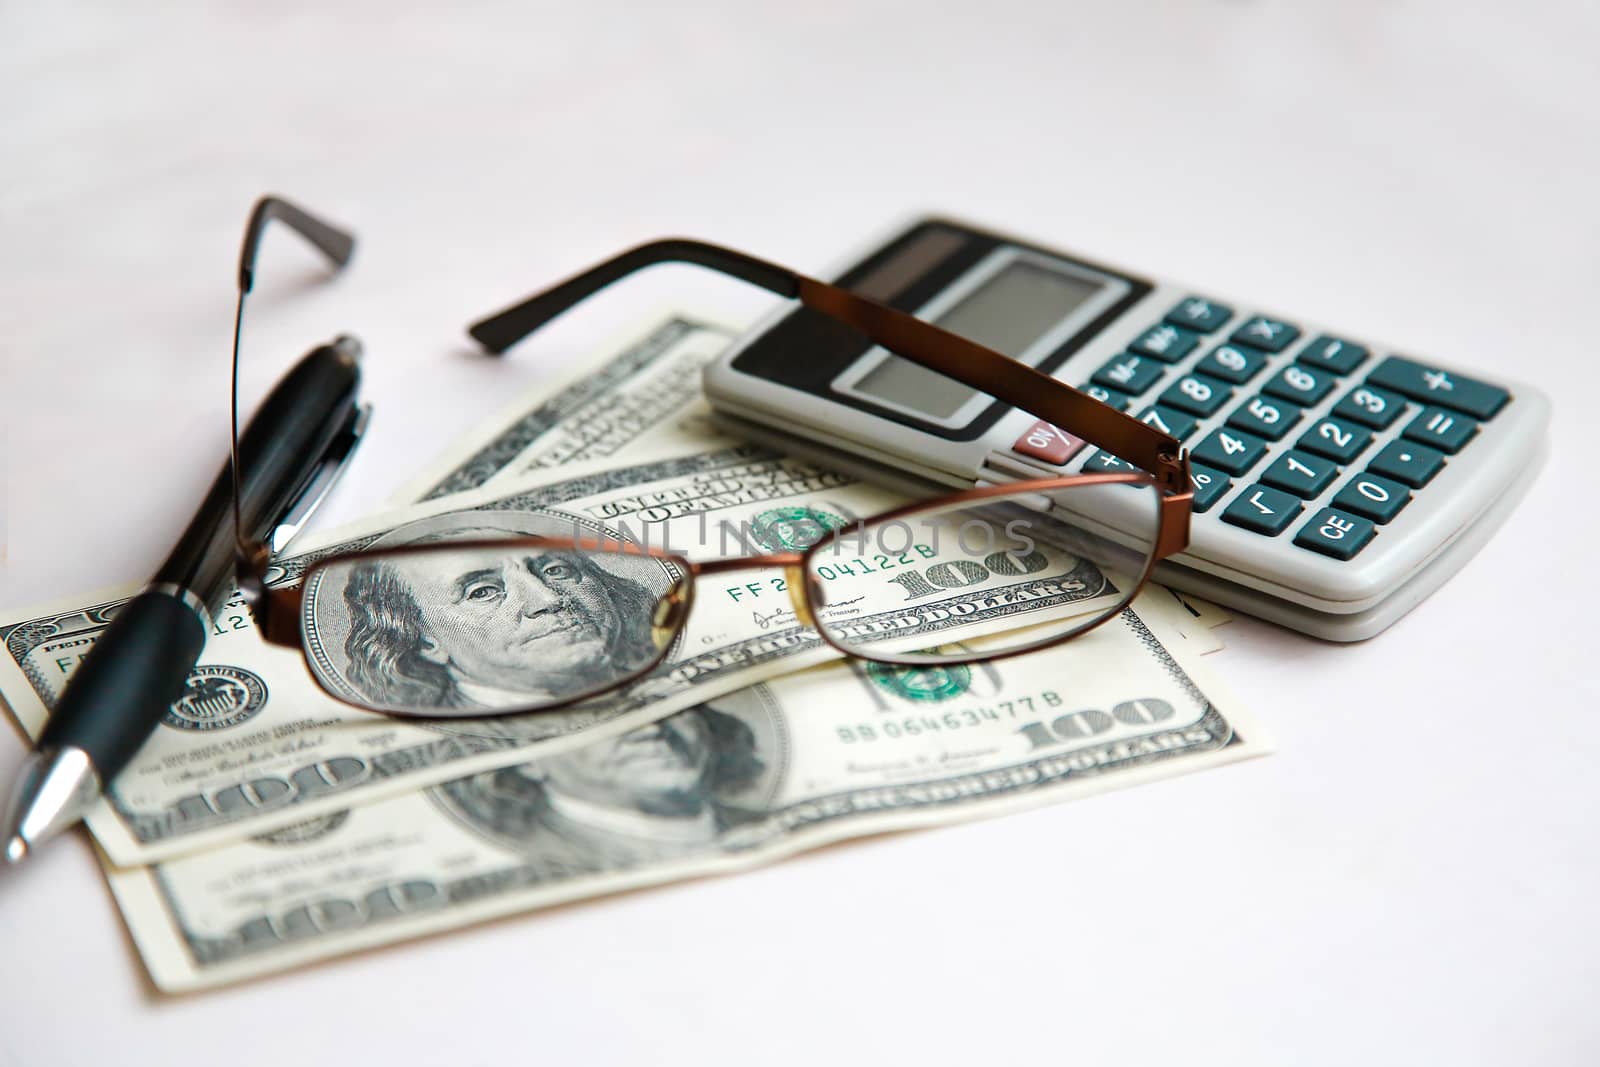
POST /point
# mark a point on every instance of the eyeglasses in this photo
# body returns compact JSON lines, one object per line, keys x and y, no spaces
{"x":420,"y":625}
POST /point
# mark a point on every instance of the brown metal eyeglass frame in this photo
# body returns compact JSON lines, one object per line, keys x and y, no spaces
{"x":1161,"y":462}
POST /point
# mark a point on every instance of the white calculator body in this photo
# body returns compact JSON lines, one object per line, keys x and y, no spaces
{"x":1337,"y":480}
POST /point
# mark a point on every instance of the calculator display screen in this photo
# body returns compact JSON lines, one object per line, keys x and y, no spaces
{"x":1007,"y":313}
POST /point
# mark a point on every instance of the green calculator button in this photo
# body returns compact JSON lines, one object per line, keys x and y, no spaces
{"x":1370,"y":406}
{"x":1406,"y":461}
{"x":1333,"y":533}
{"x":1262,"y":510}
{"x":1233,"y":451}
{"x":1267,"y":416}
{"x":1197,"y":394}
{"x":1430,"y":385}
{"x":1232,"y":363}
{"x":1129,"y":373}
{"x":1337,"y":439}
{"x":1112,"y":397}
{"x":1165,"y":342}
{"x":1373,"y":496}
{"x":1209,"y":487}
{"x":1118,"y":400}
{"x":1302,"y":385}
{"x":1300,"y":473}
{"x":1445,"y":430}
{"x":1269,"y":335}
{"x":1177,"y":423}
{"x":1103,"y":462}
{"x":1198,"y":313}
{"x":1332,"y":355}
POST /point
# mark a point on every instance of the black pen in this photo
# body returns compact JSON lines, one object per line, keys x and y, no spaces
{"x":289,"y":456}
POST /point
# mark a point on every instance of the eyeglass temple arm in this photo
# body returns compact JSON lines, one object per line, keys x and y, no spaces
{"x":1005,"y":379}
{"x":505,"y":328}
{"x":338,"y":246}
{"x":333,"y":242}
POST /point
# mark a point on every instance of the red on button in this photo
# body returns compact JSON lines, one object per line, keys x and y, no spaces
{"x":1047,"y":442}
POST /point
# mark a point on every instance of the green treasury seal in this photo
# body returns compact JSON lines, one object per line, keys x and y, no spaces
{"x":793,"y":529}
{"x":933,"y":683}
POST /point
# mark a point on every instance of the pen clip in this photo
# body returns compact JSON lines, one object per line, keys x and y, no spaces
{"x":324,"y":475}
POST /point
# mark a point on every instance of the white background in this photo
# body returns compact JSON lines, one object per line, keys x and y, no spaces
{"x":1412,"y":878}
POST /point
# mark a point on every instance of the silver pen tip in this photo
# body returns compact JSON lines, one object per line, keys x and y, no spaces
{"x":16,"y":850}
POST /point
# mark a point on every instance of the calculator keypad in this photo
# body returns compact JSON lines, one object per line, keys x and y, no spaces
{"x":1165,"y":342}
{"x":1371,"y":406}
{"x":1269,"y":335}
{"x":1130,"y":373}
{"x":1198,"y":313}
{"x":1305,"y":386}
{"x":1112,"y":397}
{"x":1265,"y":416}
{"x":1230,"y":450}
{"x":1197,"y":394}
{"x":1263,"y":510}
{"x":1168,"y":421}
{"x":1335,"y":534}
{"x":1232,"y":363}
{"x":1300,"y":473}
{"x":1209,"y":487}
{"x":1336,"y":439}
{"x":1430,"y":385}
{"x":1332,"y":355}
{"x":1374,"y":497}
{"x":1445,"y":430}
{"x":1330,"y":482}
{"x":1407,"y":462}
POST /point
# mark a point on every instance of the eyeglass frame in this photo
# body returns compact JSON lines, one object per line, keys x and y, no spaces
{"x":1162,"y":463}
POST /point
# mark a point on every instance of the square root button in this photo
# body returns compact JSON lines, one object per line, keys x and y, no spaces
{"x":1047,"y":442}
{"x":1262,"y":510}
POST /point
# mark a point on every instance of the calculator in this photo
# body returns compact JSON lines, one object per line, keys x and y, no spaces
{"x":1337,"y":481}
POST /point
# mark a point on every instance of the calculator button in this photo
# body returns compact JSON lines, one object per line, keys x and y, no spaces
{"x":1167,"y":420}
{"x":1302,"y":385}
{"x":1120,"y":401}
{"x":1233,"y":451}
{"x":1333,"y":533}
{"x":1047,"y":442}
{"x":1265,"y":416}
{"x":1269,"y":335}
{"x":1433,"y":386}
{"x":1370,"y":406}
{"x":1374,"y":497}
{"x":1197,"y":313}
{"x":1444,"y":430}
{"x":1333,"y":355}
{"x":1129,"y":373}
{"x":1300,"y":473}
{"x":1407,"y":462}
{"x":1209,"y":486}
{"x":1232,"y":363}
{"x":1262,"y":510}
{"x":1104,"y":462}
{"x":1337,"y":439}
{"x":1165,"y":342}
{"x":1197,"y":394}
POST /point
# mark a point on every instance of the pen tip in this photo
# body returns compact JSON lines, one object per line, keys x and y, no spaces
{"x":16,"y":850}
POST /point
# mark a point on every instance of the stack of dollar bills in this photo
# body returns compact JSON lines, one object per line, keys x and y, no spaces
{"x":266,"y":824}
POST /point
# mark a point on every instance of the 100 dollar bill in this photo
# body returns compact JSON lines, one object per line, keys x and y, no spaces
{"x":255,"y":744}
{"x":839,"y":751}
{"x":641,"y":403}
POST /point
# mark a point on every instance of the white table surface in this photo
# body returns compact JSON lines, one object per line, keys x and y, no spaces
{"x":1412,"y":878}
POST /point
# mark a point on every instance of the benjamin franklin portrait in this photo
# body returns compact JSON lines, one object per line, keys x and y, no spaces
{"x":483,"y":628}
{"x":662,"y":790}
